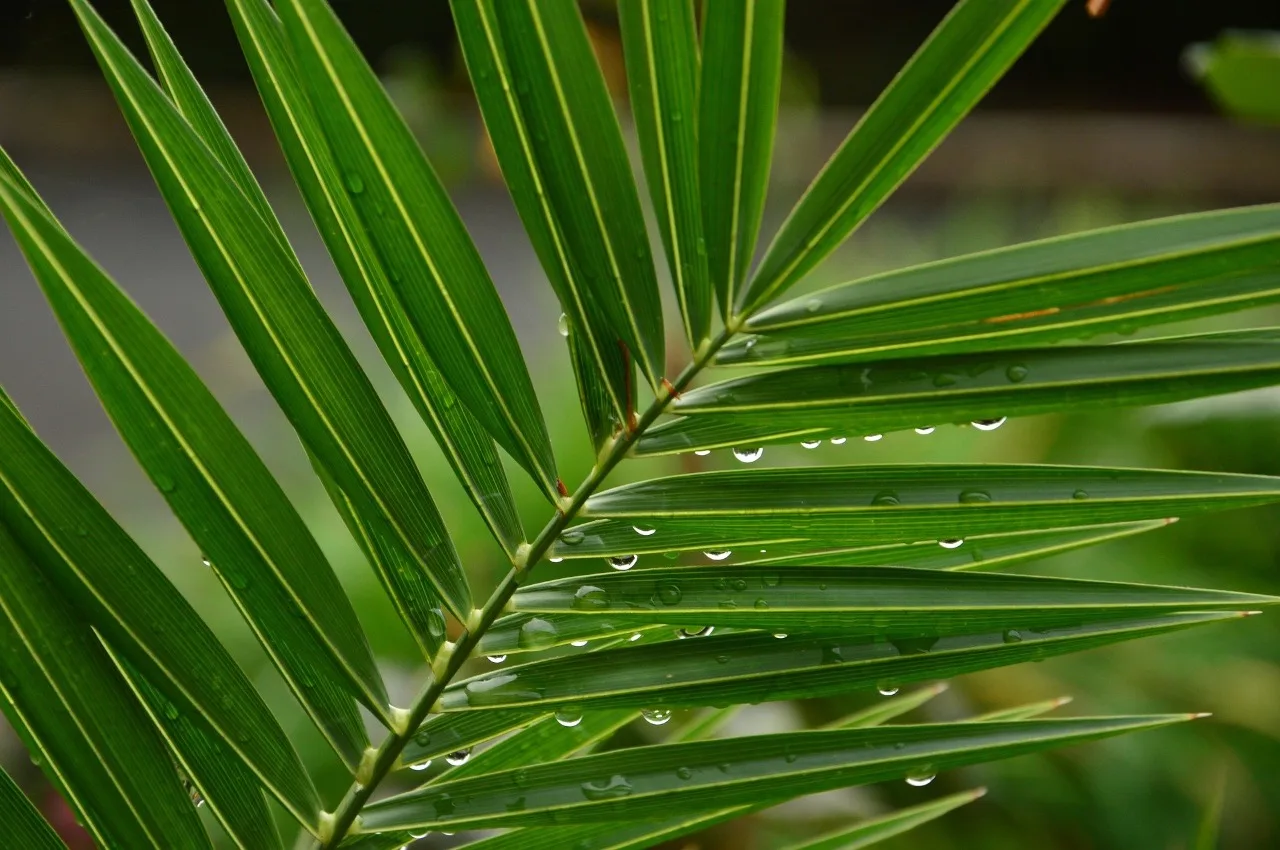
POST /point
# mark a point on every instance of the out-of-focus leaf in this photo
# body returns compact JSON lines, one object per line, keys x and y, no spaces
{"x":971,"y":49}
{"x":881,"y":600}
{"x":21,"y":823}
{"x":292,"y":342}
{"x":129,"y":601}
{"x":875,"y":830}
{"x":643,"y":782}
{"x":211,"y":477}
{"x":1117,"y":279}
{"x":1241,"y":71}
{"x":465,"y":443}
{"x":756,"y":667}
{"x":660,"y":44}
{"x":92,"y":736}
{"x":888,"y":709}
{"x":601,"y":365}
{"x":1022,"y":712}
{"x":577,"y":146}
{"x":737,"y":119}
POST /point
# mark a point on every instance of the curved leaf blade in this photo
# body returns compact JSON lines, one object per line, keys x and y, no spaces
{"x":660,"y":47}
{"x":59,"y":685}
{"x":425,"y":249}
{"x":291,"y":340}
{"x":130,"y":602}
{"x":1023,"y":712}
{"x":971,"y":49}
{"x":756,"y":667}
{"x":1114,"y":279}
{"x":582,"y":161}
{"x":737,"y":119}
{"x":20,"y":821}
{"x":709,"y":775}
{"x":879,"y":600}
{"x":212,"y":479}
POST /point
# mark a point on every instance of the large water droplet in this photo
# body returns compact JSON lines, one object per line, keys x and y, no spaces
{"x":607,"y":789}
{"x":748,"y":455}
{"x":496,"y":659}
{"x":951,"y":543}
{"x":420,"y":765}
{"x":536,"y":634}
{"x":974,"y":497}
{"x":643,"y":530}
{"x":887,"y":689}
{"x":656,"y":716}
{"x":569,"y":716}
{"x":1080,"y":495}
{"x":417,"y":835}
{"x":810,"y":444}
{"x":718,"y":555}
{"x":1016,"y":373}
{"x":458,"y":757}
{"x":578,"y":643}
{"x":700,"y":631}
{"x":623,"y":562}
{"x":921,"y":777}
{"x":572,"y":537}
{"x":702,"y":452}
{"x":684,"y":773}
{"x":885,"y":499}
{"x":988,"y":424}
{"x":669,"y":594}
{"x":562,"y":325}
{"x":838,"y":441}
{"x":555,"y":560}
{"x":590,"y":598}
{"x":928,"y":429}
{"x":873,"y":438}
{"x":1012,"y":636}
{"x":635,"y":637}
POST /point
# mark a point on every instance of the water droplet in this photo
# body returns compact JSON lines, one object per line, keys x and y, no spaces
{"x":988,"y":424}
{"x":572,"y":537}
{"x":165,"y":483}
{"x":643,"y":531}
{"x":496,"y":659}
{"x":562,"y":325}
{"x":944,"y":379}
{"x":718,"y":556}
{"x":569,"y":716}
{"x":656,"y":716}
{"x":421,"y":765}
{"x":355,"y":183}
{"x":193,"y":792}
{"x":813,"y":305}
{"x":838,"y":441}
{"x":590,"y":598}
{"x":555,"y":560}
{"x":872,"y":438}
{"x":623,"y":562}
{"x":435,"y":622}
{"x":669,"y":594}
{"x":458,"y":757}
{"x":780,"y":635}
{"x":951,"y":543}
{"x":417,"y":835}
{"x":1079,"y":495}
{"x":885,"y":498}
{"x":887,"y":689}
{"x":700,"y":631}
{"x":635,"y":637}
{"x":1016,"y":373}
{"x":1012,"y":636}
{"x":810,"y":444}
{"x":671,"y":556}
{"x":702,"y":452}
{"x":578,"y":643}
{"x":607,"y":789}
{"x":204,"y":559}
{"x":536,"y":634}
{"x":748,"y":455}
{"x":928,"y":429}
{"x":974,"y":497}
{"x":921,"y":777}
{"x":684,"y":773}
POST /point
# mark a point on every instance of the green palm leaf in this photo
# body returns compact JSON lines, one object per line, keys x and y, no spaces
{"x":737,"y":119}
{"x":875,"y":830}
{"x":426,"y":252}
{"x":466,"y":445}
{"x":60,"y":687}
{"x":661,"y":50}
{"x":647,"y":781}
{"x":1116,"y":279}
{"x":128,"y":600}
{"x":449,"y":733}
{"x":756,"y":667}
{"x":212,"y":478}
{"x":21,"y":822}
{"x":293,"y":343}
{"x":582,"y":162}
{"x":971,"y":49}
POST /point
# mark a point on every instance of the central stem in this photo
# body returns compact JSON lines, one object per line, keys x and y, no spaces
{"x":389,"y":750}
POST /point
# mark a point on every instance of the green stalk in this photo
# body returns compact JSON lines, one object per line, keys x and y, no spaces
{"x":380,"y":762}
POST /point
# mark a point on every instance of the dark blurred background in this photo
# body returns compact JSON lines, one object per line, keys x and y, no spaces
{"x":1099,"y":123}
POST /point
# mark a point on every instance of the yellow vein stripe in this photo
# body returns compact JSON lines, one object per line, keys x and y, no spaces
{"x":739,"y":159}
{"x":229,"y":257}
{"x":925,"y":114}
{"x":371,"y":149}
{"x":553,"y":229}
{"x":668,"y":191}
{"x":359,"y":253}
{"x":374,"y":702}
{"x":536,"y":16}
